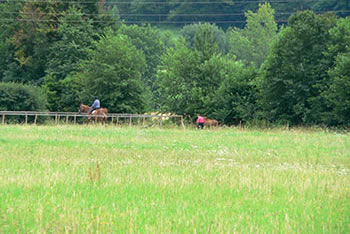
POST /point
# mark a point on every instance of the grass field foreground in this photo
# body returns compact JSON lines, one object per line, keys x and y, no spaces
{"x":108,"y":179}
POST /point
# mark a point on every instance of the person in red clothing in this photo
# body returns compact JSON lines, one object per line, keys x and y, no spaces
{"x":200,"y":121}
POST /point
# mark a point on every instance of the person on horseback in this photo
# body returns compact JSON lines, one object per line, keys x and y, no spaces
{"x":95,"y":105}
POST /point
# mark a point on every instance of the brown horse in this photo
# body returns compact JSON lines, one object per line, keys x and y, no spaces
{"x":99,"y":114}
{"x":210,"y":122}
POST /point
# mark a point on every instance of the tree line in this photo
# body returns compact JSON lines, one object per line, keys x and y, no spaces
{"x":56,"y":54}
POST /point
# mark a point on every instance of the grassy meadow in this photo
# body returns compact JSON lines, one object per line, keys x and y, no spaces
{"x":85,"y":179}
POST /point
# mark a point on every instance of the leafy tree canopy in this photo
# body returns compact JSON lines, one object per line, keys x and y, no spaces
{"x":147,"y":39}
{"x":252,"y":44}
{"x":295,"y":73}
{"x":20,"y":97}
{"x":113,"y":72}
{"x":338,"y":94}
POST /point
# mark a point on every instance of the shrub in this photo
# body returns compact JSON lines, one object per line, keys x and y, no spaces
{"x":20,"y":97}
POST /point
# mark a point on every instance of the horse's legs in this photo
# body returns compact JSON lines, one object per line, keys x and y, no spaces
{"x":88,"y":119}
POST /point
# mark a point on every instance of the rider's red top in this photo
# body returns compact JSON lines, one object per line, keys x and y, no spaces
{"x":200,"y":119}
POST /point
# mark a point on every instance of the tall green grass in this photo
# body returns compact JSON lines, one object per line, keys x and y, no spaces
{"x":106,"y":179}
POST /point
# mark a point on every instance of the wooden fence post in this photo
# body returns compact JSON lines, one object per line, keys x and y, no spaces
{"x":182,"y":121}
{"x":75,"y":118}
{"x":56,"y":119}
{"x":26,"y":121}
{"x":3,"y":118}
{"x":130,"y":121}
{"x":35,"y":119}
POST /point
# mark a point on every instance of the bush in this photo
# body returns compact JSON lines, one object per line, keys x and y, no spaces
{"x":20,"y":97}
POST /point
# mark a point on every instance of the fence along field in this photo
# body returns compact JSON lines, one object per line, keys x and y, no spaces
{"x":73,"y":117}
{"x":79,"y":178}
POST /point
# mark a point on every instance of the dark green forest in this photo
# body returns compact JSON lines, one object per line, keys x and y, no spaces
{"x":244,"y":61}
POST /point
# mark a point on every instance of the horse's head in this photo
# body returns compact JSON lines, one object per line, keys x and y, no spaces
{"x":83,"y":108}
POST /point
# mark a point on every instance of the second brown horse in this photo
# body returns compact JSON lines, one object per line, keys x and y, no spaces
{"x":210,"y":122}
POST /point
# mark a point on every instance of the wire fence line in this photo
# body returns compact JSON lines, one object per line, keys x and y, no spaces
{"x":162,"y":3}
{"x":114,"y":118}
{"x":160,"y":14}
{"x":149,"y":22}
{"x":150,"y":17}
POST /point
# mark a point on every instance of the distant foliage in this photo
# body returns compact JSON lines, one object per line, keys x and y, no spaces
{"x":235,"y":101}
{"x":295,"y":73}
{"x":177,"y":78}
{"x":252,"y":44}
{"x":20,"y":97}
{"x":31,"y":30}
{"x":225,"y":13}
{"x":219,"y":37}
{"x":64,"y":94}
{"x":75,"y":36}
{"x":65,"y":55}
{"x":148,"y":40}
{"x":199,"y":80}
{"x":113,"y":72}
{"x":338,"y":94}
